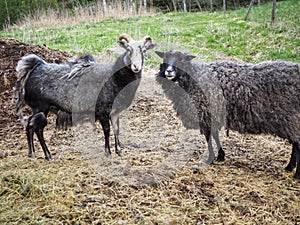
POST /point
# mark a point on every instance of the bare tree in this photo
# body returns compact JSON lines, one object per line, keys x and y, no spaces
{"x":198,"y":4}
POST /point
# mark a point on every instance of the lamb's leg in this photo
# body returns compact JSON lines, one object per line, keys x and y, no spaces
{"x":40,"y":135}
{"x":106,"y":130}
{"x":211,"y":155}
{"x":38,"y":122}
{"x":29,"y":134}
{"x":297,"y":153}
{"x":292,"y":163}
{"x":115,"y":123}
{"x":221,"y":153}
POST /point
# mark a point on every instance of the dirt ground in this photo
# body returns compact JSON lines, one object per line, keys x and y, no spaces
{"x":158,"y":180}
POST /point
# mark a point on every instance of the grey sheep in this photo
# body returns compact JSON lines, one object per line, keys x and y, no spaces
{"x":249,"y":98}
{"x":83,"y":90}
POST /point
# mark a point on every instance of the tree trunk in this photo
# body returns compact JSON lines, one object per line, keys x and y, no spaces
{"x":273,"y":12}
{"x":145,"y":6}
{"x":211,"y":5}
{"x":198,"y":4}
{"x":184,"y":6}
{"x":224,"y":6}
{"x":104,"y":6}
{"x":7,"y":11}
{"x":174,"y":5}
{"x":131,"y":7}
{"x":249,"y":9}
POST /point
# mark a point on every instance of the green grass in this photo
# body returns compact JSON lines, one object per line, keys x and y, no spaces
{"x":205,"y":34}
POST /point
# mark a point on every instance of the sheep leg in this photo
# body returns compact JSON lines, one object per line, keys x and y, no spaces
{"x":38,"y":123}
{"x":292,"y":163}
{"x":297,"y":153}
{"x":40,"y":135}
{"x":115,"y":123}
{"x":221,"y":153}
{"x":211,"y":155}
{"x":29,"y":134}
{"x":106,"y":130}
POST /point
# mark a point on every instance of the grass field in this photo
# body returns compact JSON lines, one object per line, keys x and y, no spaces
{"x":206,"y":34}
{"x":250,"y":187}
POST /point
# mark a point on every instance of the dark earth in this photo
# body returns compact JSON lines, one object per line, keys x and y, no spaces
{"x":157,"y":181}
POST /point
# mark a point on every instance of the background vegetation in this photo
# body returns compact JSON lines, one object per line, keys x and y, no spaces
{"x":12,"y":11}
{"x":210,"y":35}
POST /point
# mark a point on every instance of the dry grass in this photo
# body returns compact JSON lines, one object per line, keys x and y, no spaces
{"x":92,"y":13}
{"x":250,"y":187}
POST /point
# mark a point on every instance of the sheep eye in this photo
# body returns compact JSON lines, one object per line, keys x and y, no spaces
{"x":143,"y":49}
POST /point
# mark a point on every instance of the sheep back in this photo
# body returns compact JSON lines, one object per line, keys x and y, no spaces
{"x":261,"y":98}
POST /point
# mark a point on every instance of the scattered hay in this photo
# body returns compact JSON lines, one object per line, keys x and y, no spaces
{"x":250,"y":187}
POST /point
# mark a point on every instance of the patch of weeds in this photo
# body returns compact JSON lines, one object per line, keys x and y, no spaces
{"x":204,"y":33}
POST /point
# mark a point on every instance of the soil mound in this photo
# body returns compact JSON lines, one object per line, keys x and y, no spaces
{"x":11,"y":52}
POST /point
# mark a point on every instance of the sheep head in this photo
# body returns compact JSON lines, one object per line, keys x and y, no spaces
{"x":135,"y":51}
{"x":172,"y":62}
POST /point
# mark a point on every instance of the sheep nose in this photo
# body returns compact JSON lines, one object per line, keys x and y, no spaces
{"x":169,"y":69}
{"x":135,"y":68}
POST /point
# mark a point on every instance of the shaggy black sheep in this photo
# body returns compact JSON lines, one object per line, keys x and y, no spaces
{"x":249,"y":98}
{"x":88,"y":89}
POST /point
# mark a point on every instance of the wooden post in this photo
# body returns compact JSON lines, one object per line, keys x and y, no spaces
{"x":273,"y":12}
{"x":249,"y":9}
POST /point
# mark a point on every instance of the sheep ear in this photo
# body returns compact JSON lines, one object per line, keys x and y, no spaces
{"x":150,"y":46}
{"x":160,"y":54}
{"x":189,"y":57}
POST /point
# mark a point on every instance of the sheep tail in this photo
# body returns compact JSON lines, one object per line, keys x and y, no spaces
{"x":24,"y":68}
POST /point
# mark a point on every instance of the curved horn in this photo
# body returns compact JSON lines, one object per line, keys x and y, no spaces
{"x":126,"y":37}
{"x":147,"y":38}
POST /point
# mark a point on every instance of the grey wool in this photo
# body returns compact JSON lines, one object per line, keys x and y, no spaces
{"x":81,"y":89}
{"x":248,"y":98}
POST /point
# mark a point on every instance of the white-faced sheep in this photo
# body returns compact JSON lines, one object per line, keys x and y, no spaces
{"x":93,"y":88}
{"x":257,"y":98}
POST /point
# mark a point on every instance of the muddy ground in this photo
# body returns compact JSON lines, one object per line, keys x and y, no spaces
{"x":158,"y":180}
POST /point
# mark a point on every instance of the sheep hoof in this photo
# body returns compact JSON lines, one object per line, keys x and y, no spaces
{"x":119,"y":153}
{"x":108,"y":155}
{"x":31,"y":155}
{"x":220,"y":158}
{"x":297,"y":176}
{"x":48,"y":157}
{"x":289,"y":168}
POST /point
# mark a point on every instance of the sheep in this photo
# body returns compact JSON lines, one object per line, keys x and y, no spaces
{"x":79,"y":90}
{"x":259,"y":98}
{"x":64,"y":119}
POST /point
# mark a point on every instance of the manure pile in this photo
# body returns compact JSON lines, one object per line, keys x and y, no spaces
{"x":157,"y":181}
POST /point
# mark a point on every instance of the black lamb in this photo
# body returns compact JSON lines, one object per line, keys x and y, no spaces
{"x":249,"y":98}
